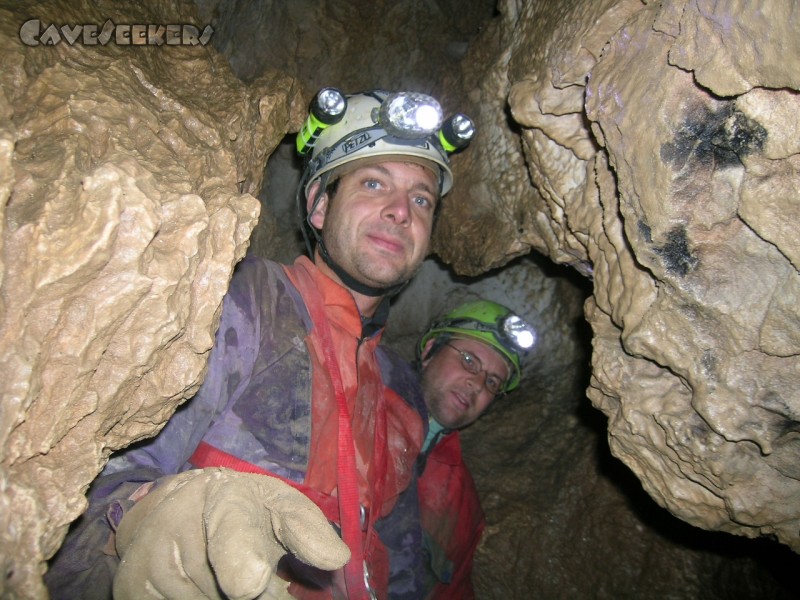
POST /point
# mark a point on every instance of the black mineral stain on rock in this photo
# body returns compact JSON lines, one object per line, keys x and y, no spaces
{"x":645,"y":232}
{"x":715,"y":139}
{"x":675,"y":253}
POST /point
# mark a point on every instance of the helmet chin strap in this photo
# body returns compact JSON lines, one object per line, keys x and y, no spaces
{"x":350,"y":281}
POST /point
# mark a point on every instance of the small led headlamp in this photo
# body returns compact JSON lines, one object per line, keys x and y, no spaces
{"x":518,"y":331}
{"x":511,"y":329}
{"x":457,"y":132}
{"x":409,"y":115}
{"x":327,"y":108}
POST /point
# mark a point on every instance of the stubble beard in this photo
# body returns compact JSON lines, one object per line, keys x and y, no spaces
{"x":368,"y":271}
{"x":435,"y":400}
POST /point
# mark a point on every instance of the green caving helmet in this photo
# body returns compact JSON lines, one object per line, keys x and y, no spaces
{"x":492,"y":324}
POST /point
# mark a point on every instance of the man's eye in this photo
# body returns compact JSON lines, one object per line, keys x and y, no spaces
{"x":423,"y":202}
{"x":493,"y":384}
{"x":372,"y":184}
{"x":468,"y":359}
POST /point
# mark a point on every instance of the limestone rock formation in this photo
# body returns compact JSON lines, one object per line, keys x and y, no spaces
{"x":651,"y":146}
{"x":126,"y":198}
{"x":663,"y":159}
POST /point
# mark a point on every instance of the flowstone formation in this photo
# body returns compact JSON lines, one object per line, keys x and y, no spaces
{"x":127,"y":177}
{"x":663,"y":162}
{"x":646,"y":144}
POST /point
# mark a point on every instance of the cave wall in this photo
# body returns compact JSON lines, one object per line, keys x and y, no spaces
{"x":643,"y":144}
{"x":661,"y":154}
{"x":126,"y":198}
{"x":653,"y":134}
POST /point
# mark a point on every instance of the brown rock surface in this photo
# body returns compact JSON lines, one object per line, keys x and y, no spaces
{"x":646,"y":144}
{"x":694,"y":306}
{"x":126,"y":198}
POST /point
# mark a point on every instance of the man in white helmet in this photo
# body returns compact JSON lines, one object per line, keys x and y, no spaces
{"x":303,"y":419}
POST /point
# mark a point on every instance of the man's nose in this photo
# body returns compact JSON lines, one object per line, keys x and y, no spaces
{"x":477,"y":381}
{"x":397,"y":208}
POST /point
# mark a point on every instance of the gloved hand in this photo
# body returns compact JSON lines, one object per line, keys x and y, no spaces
{"x":211,"y":531}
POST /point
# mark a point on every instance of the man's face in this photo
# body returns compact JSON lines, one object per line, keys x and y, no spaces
{"x":455,"y":396}
{"x":378,"y":226}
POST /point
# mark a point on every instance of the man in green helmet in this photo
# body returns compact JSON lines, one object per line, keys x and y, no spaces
{"x":468,"y":359}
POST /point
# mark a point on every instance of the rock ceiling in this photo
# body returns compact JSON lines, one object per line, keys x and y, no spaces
{"x":646,"y":144}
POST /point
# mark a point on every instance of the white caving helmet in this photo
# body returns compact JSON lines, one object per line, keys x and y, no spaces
{"x":380,"y":124}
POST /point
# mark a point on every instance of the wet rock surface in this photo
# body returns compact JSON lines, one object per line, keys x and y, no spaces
{"x":127,"y":197}
{"x":695,"y":358}
{"x":644,"y":147}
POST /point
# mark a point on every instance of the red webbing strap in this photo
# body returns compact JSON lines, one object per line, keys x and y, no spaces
{"x":347,"y":475}
{"x":207,"y":455}
{"x":379,"y":456}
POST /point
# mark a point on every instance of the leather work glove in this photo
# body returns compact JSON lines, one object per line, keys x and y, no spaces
{"x":215,"y":531}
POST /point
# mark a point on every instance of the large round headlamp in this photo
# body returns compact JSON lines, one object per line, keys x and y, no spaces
{"x":518,"y":332}
{"x":410,"y":115}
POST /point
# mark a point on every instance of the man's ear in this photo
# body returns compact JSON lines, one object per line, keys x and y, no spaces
{"x":425,"y":350}
{"x":317,"y":217}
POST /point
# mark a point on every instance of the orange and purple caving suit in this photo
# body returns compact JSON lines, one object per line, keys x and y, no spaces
{"x":255,"y":408}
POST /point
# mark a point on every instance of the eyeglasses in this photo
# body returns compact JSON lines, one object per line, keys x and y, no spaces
{"x":473,"y":365}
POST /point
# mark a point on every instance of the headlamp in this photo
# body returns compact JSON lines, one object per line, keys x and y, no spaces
{"x":456,"y":132}
{"x":409,"y":115}
{"x":518,"y":332}
{"x":378,"y":123}
{"x":511,"y":331}
{"x":327,"y":108}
